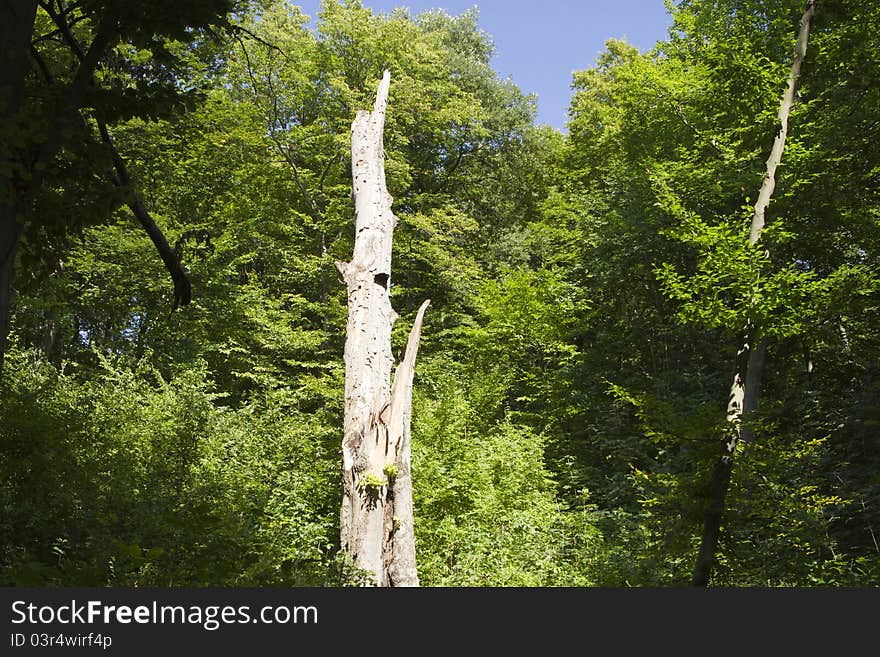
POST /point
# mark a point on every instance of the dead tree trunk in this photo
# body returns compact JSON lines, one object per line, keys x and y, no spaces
{"x":749,"y":362}
{"x":376,"y":519}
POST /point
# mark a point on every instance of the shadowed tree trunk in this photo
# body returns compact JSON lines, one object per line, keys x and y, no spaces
{"x":376,"y":518}
{"x":16,"y":25}
{"x":21,"y":181}
{"x":749,"y":362}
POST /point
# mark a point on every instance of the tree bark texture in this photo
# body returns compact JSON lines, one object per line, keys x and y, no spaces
{"x":749,"y":363}
{"x":376,"y":518}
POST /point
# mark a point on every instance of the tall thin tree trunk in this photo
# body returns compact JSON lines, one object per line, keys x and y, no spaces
{"x":9,"y":235}
{"x":17,"y":192}
{"x":749,"y":363}
{"x":16,"y":25}
{"x":376,"y":520}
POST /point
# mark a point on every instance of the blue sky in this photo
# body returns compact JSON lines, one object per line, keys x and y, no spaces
{"x":539,"y":44}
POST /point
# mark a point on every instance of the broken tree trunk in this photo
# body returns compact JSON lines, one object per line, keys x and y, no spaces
{"x":749,"y":362}
{"x":376,"y":518}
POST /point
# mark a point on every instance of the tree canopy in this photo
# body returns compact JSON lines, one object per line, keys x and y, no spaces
{"x":588,"y":290}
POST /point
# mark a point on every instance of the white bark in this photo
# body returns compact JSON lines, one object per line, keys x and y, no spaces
{"x":749,"y":363}
{"x":769,"y":183}
{"x":400,"y":555}
{"x":376,"y":526}
{"x":741,"y":398}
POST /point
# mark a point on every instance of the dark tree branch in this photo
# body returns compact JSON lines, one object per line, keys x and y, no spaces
{"x":274,"y":121}
{"x":326,"y":170}
{"x":49,"y":36}
{"x":122,"y":179}
{"x":316,"y":214}
{"x":64,"y":29}
{"x":41,"y":64}
{"x":104,"y":37}
{"x":234,"y":29}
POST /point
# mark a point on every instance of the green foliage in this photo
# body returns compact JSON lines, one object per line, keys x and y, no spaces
{"x":217,"y":425}
{"x":587,"y":294}
{"x":372,"y":483}
{"x":665,"y":155}
{"x":485,"y":499}
{"x":148,"y":482}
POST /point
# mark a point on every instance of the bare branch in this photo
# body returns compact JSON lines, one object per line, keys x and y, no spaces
{"x":274,"y":120}
{"x":270,"y":46}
